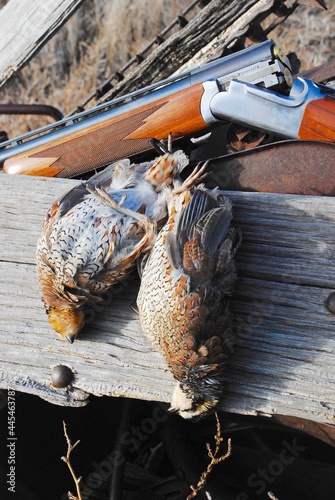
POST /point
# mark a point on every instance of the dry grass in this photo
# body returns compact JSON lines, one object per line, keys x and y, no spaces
{"x":99,"y":38}
{"x":310,"y":33}
{"x":103,"y":34}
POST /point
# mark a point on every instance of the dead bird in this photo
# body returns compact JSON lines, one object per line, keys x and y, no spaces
{"x":183,"y":300}
{"x":93,"y":235}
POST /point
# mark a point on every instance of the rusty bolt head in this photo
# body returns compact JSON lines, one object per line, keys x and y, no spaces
{"x":330,"y":303}
{"x":61,"y":376}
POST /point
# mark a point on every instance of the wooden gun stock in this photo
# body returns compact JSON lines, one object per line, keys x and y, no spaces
{"x":120,"y":136}
{"x":318,"y":120}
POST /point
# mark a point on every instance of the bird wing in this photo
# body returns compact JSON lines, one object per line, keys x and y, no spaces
{"x":75,"y":195}
{"x":199,"y":230}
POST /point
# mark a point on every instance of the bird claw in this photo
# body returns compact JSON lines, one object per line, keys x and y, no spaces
{"x":197,"y":175}
{"x":101,"y":193}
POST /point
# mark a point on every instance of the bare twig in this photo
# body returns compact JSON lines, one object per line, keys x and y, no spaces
{"x":214,"y":459}
{"x":67,"y":460}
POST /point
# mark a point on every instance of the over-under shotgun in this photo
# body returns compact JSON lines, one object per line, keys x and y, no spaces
{"x":253,"y":87}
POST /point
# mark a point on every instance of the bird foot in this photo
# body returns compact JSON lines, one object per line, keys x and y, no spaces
{"x":101,"y":193}
{"x":196,"y":176}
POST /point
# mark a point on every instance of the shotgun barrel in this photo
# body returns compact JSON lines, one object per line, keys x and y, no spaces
{"x":124,"y":126}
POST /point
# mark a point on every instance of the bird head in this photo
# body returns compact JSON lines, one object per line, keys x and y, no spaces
{"x":66,"y":321}
{"x":190,"y":404}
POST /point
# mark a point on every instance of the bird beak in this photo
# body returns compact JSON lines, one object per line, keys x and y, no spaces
{"x":71,"y":338}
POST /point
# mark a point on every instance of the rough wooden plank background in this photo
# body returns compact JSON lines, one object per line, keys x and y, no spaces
{"x":283,"y":362}
{"x":25,"y":27}
{"x":219,"y":18}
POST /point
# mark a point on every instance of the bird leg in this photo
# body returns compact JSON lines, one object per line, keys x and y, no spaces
{"x":194,"y":178}
{"x":101,"y":194}
{"x":160,"y":145}
{"x":169,"y":144}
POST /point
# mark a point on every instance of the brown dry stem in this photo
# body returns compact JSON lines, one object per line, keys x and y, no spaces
{"x":67,"y":460}
{"x":214,"y":459}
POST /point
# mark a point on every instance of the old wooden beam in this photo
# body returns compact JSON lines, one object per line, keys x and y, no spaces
{"x":26,"y":27}
{"x":283,"y":363}
{"x":171,"y":55}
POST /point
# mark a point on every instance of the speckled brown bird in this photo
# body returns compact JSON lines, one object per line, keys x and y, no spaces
{"x":93,"y":235}
{"x":183,"y":298}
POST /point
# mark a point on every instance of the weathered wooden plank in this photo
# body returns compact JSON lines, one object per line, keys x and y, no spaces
{"x":25,"y":27}
{"x":175,"y":52}
{"x":283,"y":360}
{"x":235,"y":29}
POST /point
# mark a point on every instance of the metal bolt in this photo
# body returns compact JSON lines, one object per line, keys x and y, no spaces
{"x":61,"y":376}
{"x":330,"y":303}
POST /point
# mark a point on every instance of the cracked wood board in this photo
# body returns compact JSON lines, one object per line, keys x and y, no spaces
{"x":26,"y":27}
{"x":283,"y":362}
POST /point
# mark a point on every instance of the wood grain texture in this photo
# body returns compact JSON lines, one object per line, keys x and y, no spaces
{"x":170,"y":56}
{"x":283,"y":360}
{"x":234,"y":29}
{"x":182,"y":116}
{"x":129,"y":132}
{"x":26,"y":27}
{"x":318,"y":122}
